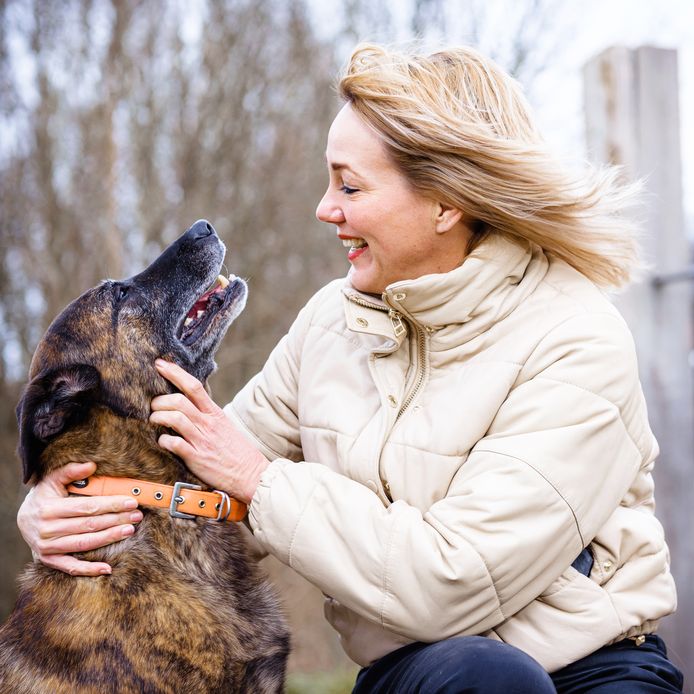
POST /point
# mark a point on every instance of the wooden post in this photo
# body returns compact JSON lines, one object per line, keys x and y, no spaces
{"x":632,"y":115}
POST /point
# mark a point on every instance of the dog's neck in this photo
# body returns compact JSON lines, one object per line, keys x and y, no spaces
{"x":120,"y":447}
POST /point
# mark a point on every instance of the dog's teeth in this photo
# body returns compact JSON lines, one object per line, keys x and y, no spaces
{"x":223,"y":281}
{"x":201,"y":313}
{"x":187,"y":322}
{"x":232,"y":277}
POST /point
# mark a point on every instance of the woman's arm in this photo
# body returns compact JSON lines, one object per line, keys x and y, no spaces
{"x":54,"y":524}
{"x":559,"y":457}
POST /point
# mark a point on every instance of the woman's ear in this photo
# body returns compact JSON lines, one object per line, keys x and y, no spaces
{"x":446,"y":217}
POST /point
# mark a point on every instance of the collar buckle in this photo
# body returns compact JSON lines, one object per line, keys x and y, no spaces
{"x":177,"y":499}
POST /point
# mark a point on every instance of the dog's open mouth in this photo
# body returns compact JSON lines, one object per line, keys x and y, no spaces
{"x":202,"y":313}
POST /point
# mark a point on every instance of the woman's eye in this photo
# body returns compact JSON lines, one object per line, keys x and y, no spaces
{"x":347,"y":190}
{"x":121,"y":292}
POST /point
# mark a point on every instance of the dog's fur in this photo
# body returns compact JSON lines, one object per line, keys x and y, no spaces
{"x":186,"y":609}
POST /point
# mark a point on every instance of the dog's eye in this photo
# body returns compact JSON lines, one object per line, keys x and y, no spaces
{"x":121,"y":292}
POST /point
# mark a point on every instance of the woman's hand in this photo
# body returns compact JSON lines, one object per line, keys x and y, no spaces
{"x":209,"y":444}
{"x":54,"y":524}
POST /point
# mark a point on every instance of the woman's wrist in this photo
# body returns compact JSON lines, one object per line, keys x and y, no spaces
{"x":255,"y":469}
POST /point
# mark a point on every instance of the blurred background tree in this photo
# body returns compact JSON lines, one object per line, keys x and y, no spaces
{"x":123,"y":121}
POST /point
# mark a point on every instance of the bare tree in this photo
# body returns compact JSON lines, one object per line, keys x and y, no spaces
{"x":124,"y":121}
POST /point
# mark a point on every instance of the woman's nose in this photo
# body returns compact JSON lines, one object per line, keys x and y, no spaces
{"x":327,"y":211}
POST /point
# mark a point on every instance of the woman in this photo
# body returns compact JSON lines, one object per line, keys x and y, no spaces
{"x":452,"y":444}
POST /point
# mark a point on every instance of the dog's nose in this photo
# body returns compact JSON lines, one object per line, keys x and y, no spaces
{"x":201,"y":229}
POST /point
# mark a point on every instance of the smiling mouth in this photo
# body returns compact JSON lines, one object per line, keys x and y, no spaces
{"x":356,"y":247}
{"x":354,"y":244}
{"x":206,"y":308}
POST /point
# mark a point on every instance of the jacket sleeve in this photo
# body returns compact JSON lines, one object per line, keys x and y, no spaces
{"x":560,"y":455}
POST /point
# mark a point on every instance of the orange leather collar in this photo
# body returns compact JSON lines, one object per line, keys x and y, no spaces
{"x":183,"y":500}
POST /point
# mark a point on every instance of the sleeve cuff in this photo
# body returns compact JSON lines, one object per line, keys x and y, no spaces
{"x":285,"y":493}
{"x":263,"y":505}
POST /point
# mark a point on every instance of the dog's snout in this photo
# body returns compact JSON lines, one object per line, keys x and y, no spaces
{"x":201,"y":229}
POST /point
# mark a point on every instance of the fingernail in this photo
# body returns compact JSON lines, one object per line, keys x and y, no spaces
{"x":136,"y":517}
{"x":130,"y":504}
{"x":159,"y":362}
{"x":105,"y":571}
{"x":127,"y":530}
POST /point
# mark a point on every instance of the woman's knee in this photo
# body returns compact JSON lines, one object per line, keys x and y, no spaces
{"x":463,"y":665}
{"x":478,"y":664}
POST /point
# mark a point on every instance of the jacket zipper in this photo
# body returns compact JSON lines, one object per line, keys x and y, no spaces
{"x":368,"y":304}
{"x":391,"y":314}
{"x":421,"y":371}
{"x":400,"y":328}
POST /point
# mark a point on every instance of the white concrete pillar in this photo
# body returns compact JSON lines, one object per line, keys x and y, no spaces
{"x":632,"y":116}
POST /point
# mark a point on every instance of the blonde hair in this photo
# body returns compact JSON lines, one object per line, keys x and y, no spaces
{"x":459,"y":128}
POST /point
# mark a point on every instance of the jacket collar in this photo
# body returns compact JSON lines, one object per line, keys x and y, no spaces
{"x":491,"y":282}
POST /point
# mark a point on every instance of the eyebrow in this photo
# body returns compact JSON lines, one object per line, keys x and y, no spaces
{"x":337,"y":166}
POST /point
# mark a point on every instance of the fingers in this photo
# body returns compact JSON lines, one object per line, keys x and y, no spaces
{"x":60,"y":527}
{"x":175,"y":402}
{"x":177,"y":446}
{"x":187,"y":384}
{"x":83,"y":542}
{"x":59,"y":478}
{"x":53,"y":523}
{"x":80,"y":506}
{"x":76,"y":567}
{"x":177,"y":421}
{"x":63,"y":535}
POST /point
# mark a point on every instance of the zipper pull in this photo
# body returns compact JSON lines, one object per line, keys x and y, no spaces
{"x":398,"y":324}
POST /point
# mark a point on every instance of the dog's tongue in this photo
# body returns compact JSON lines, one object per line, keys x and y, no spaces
{"x":221,"y":283}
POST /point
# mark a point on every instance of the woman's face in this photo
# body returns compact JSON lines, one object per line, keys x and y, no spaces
{"x":390,"y":231}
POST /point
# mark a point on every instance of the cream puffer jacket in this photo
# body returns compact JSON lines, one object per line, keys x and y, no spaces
{"x":442,"y":456}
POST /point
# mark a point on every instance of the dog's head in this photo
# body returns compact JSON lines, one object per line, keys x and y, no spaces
{"x":101,"y":349}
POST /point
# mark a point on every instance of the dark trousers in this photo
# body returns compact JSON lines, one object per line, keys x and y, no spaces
{"x":477,"y":665}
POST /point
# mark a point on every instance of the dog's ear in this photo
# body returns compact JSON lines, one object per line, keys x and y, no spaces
{"x":48,"y":404}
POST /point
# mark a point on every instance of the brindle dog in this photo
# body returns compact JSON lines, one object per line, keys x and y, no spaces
{"x":185,"y":609}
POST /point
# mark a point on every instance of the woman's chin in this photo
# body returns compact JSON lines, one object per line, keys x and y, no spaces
{"x":365,"y":282}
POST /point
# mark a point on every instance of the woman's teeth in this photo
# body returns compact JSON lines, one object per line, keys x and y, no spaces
{"x":354,"y":243}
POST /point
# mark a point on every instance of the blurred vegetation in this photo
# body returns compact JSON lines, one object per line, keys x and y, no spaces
{"x":124,"y":121}
{"x":337,"y":682}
